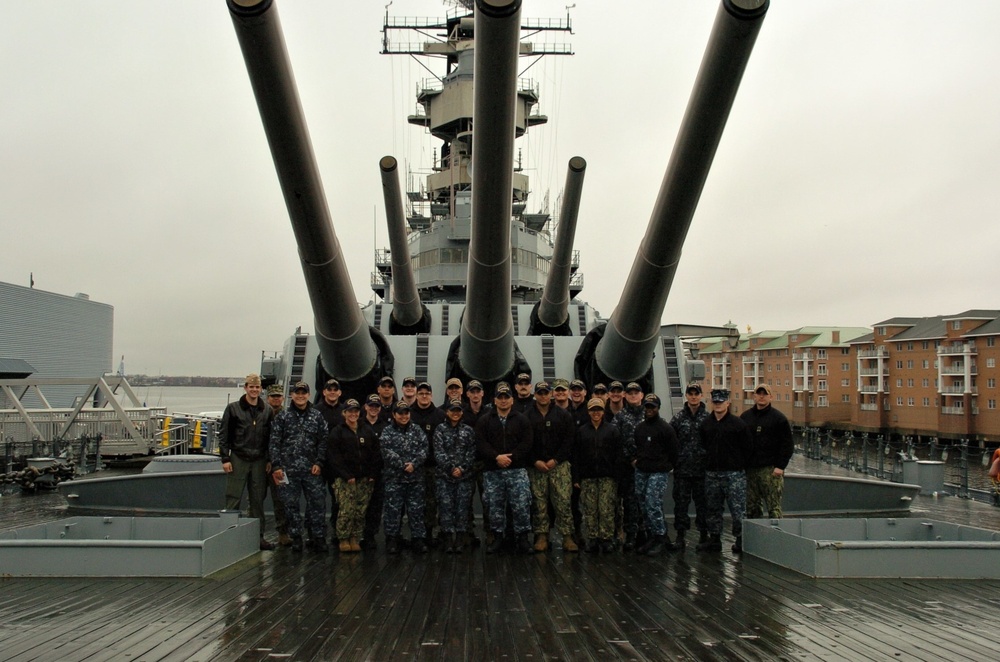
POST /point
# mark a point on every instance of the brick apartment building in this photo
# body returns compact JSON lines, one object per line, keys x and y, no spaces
{"x":927,"y":376}
{"x":931,"y":376}
{"x":810,"y":371}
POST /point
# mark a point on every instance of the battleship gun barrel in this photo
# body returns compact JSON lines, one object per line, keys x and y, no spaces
{"x":631,"y":334}
{"x":407,"y":310}
{"x":553,"y":309}
{"x":346,"y":346}
{"x":486,"y":351}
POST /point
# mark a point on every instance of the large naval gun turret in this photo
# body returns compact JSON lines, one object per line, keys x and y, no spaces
{"x":474,"y":285}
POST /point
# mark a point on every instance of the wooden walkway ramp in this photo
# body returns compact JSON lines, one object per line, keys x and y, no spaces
{"x":282,"y":605}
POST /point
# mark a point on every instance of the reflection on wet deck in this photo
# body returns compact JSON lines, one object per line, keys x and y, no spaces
{"x":474,"y":606}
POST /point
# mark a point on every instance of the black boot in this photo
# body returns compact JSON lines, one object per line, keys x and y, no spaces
{"x":593,"y":546}
{"x":629,"y":544}
{"x":494,"y":545}
{"x":738,"y":545}
{"x":297,"y":544}
{"x":655,"y":547}
{"x":418,"y":545}
{"x":680,"y":544}
{"x":392,"y":544}
{"x":713,"y":544}
{"x":607,"y":546}
{"x":524,"y":545}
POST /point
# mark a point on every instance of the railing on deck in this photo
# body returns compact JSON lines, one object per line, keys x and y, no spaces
{"x":882,"y":456}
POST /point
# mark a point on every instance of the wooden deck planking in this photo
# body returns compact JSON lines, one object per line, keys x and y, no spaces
{"x":474,"y":606}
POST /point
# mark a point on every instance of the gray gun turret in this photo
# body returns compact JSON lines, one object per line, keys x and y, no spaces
{"x":349,"y":349}
{"x":409,"y":316}
{"x":487,"y":348}
{"x":630,"y":336}
{"x":551,"y":314}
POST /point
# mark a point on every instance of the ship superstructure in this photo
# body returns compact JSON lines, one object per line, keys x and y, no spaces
{"x":480,"y":279}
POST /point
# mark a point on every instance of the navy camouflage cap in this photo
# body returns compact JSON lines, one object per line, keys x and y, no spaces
{"x":720,"y":394}
{"x":578,"y":383}
{"x":275,"y":389}
{"x":300,"y":386}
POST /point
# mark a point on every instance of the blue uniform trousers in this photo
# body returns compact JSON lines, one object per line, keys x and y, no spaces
{"x":408,"y":496}
{"x":454,"y":498}
{"x":649,"y":491}
{"x":722,"y":488}
{"x":508,"y":487}
{"x":686,"y":490}
{"x":315,"y":494}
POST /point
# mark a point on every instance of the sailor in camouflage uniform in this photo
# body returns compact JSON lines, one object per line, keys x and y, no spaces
{"x":727,"y":444}
{"x":354,"y":460}
{"x":596,"y":464}
{"x":550,"y":474}
{"x":455,"y":451}
{"x":689,"y":473}
{"x":628,"y":513}
{"x":504,"y":443}
{"x":655,"y":455}
{"x":404,"y":452}
{"x":298,"y":453}
{"x":772,"y":449}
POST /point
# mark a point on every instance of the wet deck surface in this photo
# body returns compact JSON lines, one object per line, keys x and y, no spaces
{"x":281,"y":605}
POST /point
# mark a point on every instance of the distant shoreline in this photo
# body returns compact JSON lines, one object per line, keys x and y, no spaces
{"x":159,"y":380}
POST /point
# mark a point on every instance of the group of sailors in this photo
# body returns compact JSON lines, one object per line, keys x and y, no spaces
{"x":592,"y":467}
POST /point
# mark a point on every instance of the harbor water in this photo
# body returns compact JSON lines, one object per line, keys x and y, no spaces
{"x":189,"y":399}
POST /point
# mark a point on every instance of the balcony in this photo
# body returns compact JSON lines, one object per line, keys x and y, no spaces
{"x":967,"y":348}
{"x":870,"y":388}
{"x":869,"y":406}
{"x":958,"y":370}
{"x":878,"y":352}
{"x":802,"y":356}
{"x":953,"y":411}
{"x":874,"y":372}
{"x":958,"y":390}
{"x":753,"y":357}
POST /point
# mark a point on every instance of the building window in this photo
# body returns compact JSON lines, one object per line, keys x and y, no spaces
{"x":926,"y":363}
{"x":991,"y":363}
{"x":821,"y":385}
{"x":899,"y":365}
{"x":845,"y":366}
{"x":991,"y":404}
{"x":820,"y":353}
{"x":909,"y":364}
{"x":927,"y":402}
{"x":956,"y":325}
{"x":899,"y":401}
{"x":821,"y":369}
{"x":991,"y":341}
{"x":925,"y":382}
{"x":899,"y":383}
{"x":845,"y":398}
{"x":924,"y":345}
{"x":909,"y":402}
{"x":821,"y":401}
{"x":845,"y":382}
{"x":991,"y":382}
{"x":909,"y":346}
{"x":881,"y":330}
{"x":909,"y":383}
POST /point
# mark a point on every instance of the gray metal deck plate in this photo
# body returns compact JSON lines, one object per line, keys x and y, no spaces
{"x":875,"y":547}
{"x":128,"y":546}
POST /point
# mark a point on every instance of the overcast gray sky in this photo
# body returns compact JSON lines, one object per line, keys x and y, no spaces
{"x":858,"y":177}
